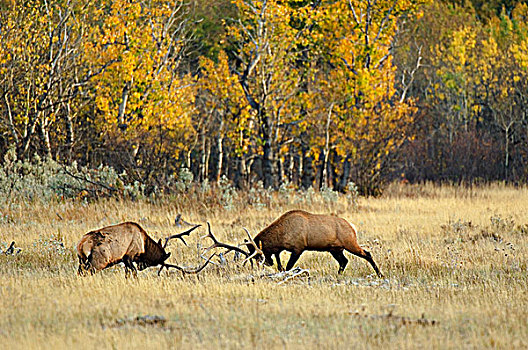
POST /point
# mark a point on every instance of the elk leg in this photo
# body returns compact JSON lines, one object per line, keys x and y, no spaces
{"x":293,"y":259}
{"x":268,"y":260}
{"x":279,"y":265}
{"x":96,"y":262}
{"x":341,"y":259}
{"x":354,"y":248}
{"x":84,"y":269}
{"x":81,"y":270}
{"x":129,"y":266}
{"x":133,"y":267}
{"x":134,"y":270}
{"x":367,"y":256}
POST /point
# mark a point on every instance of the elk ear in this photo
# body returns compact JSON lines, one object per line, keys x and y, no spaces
{"x":166,"y":256}
{"x":159,"y":242}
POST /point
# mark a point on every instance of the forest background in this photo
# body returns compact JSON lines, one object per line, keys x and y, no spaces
{"x":140,"y":98}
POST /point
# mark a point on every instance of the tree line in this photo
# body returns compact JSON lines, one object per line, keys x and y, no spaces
{"x":298,"y":93}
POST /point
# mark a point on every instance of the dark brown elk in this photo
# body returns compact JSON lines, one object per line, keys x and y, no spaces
{"x":297,"y":231}
{"x":128,"y":243}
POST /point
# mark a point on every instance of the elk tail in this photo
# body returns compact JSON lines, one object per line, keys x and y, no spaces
{"x":86,"y":252}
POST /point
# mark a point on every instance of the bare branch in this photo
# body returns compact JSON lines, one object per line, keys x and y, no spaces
{"x":10,"y":119}
{"x":11,"y":250}
{"x":407,"y":85}
{"x":88,"y":180}
{"x":385,"y":20}
{"x":178,"y":221}
{"x":356,"y":19}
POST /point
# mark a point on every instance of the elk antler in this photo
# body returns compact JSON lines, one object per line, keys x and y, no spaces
{"x":180,"y":236}
{"x":257,"y":250}
{"x":189,"y":271}
{"x":217,"y":244}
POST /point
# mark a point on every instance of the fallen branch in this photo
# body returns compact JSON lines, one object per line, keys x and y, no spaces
{"x":399,"y":319}
{"x":285,"y":276}
{"x":147,"y":320}
{"x":11,"y":250}
{"x":179,"y":222}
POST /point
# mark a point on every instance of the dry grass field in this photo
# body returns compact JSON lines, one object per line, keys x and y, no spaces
{"x":455,"y":264}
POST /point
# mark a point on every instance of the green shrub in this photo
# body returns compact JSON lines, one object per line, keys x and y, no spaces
{"x":45,"y":180}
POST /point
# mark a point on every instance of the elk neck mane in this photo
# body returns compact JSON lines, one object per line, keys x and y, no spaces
{"x":279,"y":223}
{"x":153,"y":249}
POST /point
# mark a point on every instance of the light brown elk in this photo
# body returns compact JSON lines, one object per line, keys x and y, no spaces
{"x":297,"y":231}
{"x":128,"y":243}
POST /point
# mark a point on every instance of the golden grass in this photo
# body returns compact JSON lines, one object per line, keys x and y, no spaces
{"x":454,"y":255}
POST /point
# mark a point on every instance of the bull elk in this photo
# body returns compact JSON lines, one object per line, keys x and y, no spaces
{"x":297,"y":231}
{"x":128,"y":243}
